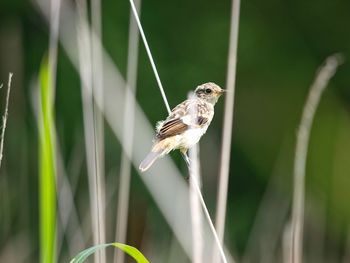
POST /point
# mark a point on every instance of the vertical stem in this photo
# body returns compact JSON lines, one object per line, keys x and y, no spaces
{"x":302,"y":143}
{"x":47,"y":144}
{"x":207,"y":215}
{"x":4,"y":118}
{"x":97,"y":80}
{"x":47,"y":188}
{"x":228,"y":122}
{"x":128,"y":134}
{"x":55,"y":6}
{"x":96,"y":186}
{"x":195,"y":205}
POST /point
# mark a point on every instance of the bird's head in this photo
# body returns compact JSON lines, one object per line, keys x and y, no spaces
{"x":209,"y":92}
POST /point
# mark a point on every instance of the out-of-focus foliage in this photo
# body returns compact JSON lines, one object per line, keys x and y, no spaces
{"x":281,"y":45}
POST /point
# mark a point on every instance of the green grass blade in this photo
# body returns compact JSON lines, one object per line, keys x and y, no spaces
{"x":47,"y":188}
{"x":132,"y":251}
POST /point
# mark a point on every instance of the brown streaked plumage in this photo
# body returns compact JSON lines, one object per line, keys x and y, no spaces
{"x":185,"y":125}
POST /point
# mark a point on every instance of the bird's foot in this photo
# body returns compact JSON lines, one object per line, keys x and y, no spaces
{"x":187,"y":159}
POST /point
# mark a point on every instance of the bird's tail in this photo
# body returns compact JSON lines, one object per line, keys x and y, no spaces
{"x":149,"y":160}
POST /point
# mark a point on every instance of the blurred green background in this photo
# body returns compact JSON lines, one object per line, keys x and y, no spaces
{"x":282,"y":43}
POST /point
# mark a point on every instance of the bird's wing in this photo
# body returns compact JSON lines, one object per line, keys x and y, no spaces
{"x":171,"y":128}
{"x":182,"y":117}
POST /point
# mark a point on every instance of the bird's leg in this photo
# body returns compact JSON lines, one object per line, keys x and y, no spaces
{"x":185,"y":156}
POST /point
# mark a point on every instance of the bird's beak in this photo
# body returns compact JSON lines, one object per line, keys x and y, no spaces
{"x":222,"y":91}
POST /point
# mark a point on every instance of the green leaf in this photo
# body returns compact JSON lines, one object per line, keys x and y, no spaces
{"x":47,"y":188}
{"x":132,"y":251}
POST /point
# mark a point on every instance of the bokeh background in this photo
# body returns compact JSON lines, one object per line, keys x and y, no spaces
{"x":282,"y":43}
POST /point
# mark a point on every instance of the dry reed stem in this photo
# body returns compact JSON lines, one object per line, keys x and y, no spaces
{"x":227,"y":126}
{"x":195,"y":205}
{"x":303,"y":135}
{"x":97,"y":80}
{"x":128,"y":134}
{"x":55,"y":7}
{"x":207,"y":215}
{"x":148,"y":50}
{"x":96,"y":185}
{"x":5,"y":116}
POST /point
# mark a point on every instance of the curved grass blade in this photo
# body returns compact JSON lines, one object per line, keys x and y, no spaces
{"x":47,"y":185}
{"x":132,"y":251}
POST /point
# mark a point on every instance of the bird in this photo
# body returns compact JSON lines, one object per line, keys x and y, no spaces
{"x":185,"y":125}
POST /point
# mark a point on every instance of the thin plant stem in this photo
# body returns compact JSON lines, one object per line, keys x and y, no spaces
{"x":4,"y":118}
{"x":195,"y":205}
{"x":286,"y":243}
{"x":96,"y":186}
{"x":196,"y":213}
{"x":97,"y":91}
{"x":97,"y":79}
{"x":325,"y":73}
{"x":227,"y":126}
{"x":128,"y":134}
{"x":55,"y":7}
{"x":207,"y":215}
{"x":133,"y":8}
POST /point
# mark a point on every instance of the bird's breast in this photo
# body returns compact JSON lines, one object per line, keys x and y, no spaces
{"x":190,"y":137}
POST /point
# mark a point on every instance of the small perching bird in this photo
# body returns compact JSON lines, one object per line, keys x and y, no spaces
{"x":185,"y":125}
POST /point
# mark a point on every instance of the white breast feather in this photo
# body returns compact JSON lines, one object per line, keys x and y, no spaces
{"x":190,"y":137}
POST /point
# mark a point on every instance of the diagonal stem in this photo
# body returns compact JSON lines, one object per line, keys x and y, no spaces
{"x":133,"y":8}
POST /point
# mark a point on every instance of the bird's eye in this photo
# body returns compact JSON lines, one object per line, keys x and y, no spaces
{"x":208,"y":91}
